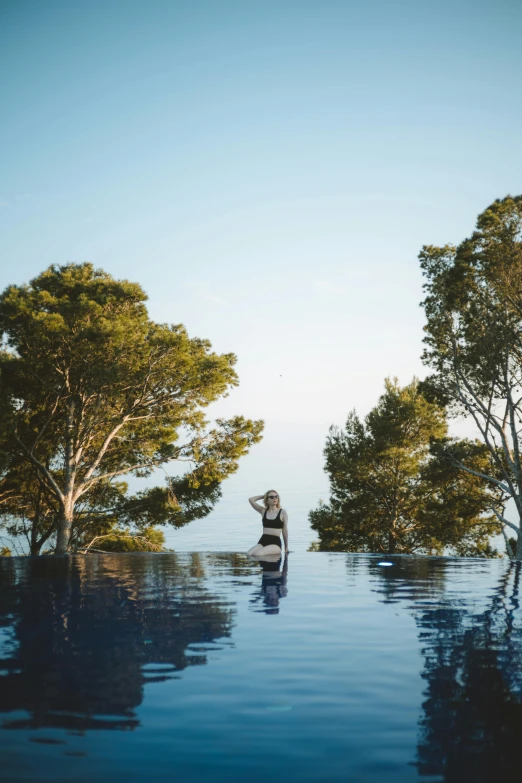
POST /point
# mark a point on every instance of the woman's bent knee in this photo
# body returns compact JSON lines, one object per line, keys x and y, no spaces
{"x":271,"y":549}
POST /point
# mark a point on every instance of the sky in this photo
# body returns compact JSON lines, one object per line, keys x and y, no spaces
{"x":267,"y":170}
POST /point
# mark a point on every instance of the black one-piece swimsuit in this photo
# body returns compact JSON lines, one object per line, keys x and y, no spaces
{"x":267,"y":539}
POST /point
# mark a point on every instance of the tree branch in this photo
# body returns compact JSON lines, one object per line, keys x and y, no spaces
{"x":43,"y":470}
{"x":505,"y":521}
{"x":461,"y":465}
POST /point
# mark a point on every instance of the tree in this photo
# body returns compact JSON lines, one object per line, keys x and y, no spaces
{"x":93,"y":390}
{"x":474,"y":344}
{"x":390,"y":491}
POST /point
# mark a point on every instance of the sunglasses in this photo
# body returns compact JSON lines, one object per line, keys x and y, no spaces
{"x":272,"y":497}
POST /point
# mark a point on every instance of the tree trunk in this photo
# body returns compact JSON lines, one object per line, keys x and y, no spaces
{"x":66,"y":517}
{"x":35,"y":546}
{"x":518,"y":555}
{"x":391,"y":543}
{"x":64,"y":530}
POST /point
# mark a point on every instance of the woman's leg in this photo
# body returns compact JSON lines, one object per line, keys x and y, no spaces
{"x":271,"y":549}
{"x":255,"y":550}
{"x":272,"y":558}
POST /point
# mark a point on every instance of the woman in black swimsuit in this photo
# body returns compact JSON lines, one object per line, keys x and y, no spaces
{"x":275,"y":522}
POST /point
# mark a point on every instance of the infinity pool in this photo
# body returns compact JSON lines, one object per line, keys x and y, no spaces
{"x":211,"y":667}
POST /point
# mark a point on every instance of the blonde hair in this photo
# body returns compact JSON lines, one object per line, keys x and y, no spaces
{"x":265,"y":498}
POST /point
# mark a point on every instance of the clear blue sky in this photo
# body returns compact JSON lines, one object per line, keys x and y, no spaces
{"x":267,"y":169}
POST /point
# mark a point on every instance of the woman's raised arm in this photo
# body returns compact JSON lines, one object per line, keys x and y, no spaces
{"x":255,"y":505}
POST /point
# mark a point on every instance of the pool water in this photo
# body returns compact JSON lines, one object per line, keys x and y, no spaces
{"x":210,"y":666}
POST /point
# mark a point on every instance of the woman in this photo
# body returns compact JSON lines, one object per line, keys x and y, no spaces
{"x":275,"y":521}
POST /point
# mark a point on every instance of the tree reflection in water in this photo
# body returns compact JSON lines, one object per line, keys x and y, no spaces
{"x":89,"y":632}
{"x":472,"y":720}
{"x":273,"y":585}
{"x":471,"y":724}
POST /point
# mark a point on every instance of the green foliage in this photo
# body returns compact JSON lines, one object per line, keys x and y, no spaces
{"x":474,"y":303}
{"x":393,"y":489}
{"x":147,"y":540}
{"x":27,"y":508}
{"x":91,"y":389}
{"x":473,"y":340}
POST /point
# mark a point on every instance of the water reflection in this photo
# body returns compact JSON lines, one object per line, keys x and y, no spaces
{"x":471,"y":722}
{"x":472,"y":719}
{"x":83,"y":635}
{"x":413,"y":579}
{"x":273,"y":585}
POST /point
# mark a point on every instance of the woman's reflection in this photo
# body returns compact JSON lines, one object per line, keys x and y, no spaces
{"x":273,"y":584}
